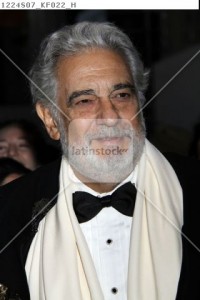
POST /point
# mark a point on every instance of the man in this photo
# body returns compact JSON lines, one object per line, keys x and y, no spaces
{"x":104,"y":222}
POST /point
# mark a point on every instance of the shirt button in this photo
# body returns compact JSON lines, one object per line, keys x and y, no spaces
{"x":114,"y":290}
{"x":109,"y":241}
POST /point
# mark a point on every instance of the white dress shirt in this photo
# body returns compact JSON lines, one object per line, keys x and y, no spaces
{"x":108,"y":239}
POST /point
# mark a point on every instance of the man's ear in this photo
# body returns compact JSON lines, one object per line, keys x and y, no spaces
{"x":49,"y":122}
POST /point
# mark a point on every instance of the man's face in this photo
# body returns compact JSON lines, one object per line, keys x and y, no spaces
{"x":96,"y":85}
{"x":99,"y":133}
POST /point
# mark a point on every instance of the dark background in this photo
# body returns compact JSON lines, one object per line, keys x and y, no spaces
{"x":166,"y":40}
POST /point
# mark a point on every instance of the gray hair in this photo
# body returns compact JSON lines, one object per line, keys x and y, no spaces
{"x":74,"y":39}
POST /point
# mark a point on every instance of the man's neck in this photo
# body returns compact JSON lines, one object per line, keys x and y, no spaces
{"x":99,"y":187}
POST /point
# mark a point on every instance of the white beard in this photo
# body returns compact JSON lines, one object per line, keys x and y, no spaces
{"x":109,"y":168}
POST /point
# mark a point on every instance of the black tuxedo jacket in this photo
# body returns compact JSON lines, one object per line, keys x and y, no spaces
{"x":21,"y":200}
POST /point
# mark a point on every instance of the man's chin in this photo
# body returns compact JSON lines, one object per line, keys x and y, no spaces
{"x":112,"y":166}
{"x":102,"y":170}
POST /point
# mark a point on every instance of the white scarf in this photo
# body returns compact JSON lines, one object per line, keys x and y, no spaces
{"x":59,"y":265}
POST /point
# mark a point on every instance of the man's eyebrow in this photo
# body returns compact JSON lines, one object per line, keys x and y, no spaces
{"x":120,"y":86}
{"x":76,"y":94}
{"x":79,"y":93}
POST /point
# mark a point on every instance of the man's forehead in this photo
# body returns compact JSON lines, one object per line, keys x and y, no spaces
{"x":94,"y":59}
{"x":94,"y":71}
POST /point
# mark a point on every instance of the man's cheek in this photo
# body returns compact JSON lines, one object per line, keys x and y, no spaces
{"x":78,"y":129}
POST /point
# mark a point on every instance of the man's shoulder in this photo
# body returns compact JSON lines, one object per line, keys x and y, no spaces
{"x":188,"y":173}
{"x":187,"y":169}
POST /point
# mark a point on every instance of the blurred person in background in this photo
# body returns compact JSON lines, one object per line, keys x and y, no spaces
{"x":22,"y":141}
{"x":10,"y":170}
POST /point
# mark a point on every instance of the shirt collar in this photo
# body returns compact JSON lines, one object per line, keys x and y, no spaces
{"x":80,"y":186}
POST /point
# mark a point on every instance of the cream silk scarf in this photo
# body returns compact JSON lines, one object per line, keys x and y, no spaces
{"x":59,"y":265}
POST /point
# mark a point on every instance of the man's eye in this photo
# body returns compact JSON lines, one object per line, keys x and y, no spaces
{"x":23,"y":146}
{"x":84,"y":102}
{"x":2,"y":148}
{"x":123,"y":95}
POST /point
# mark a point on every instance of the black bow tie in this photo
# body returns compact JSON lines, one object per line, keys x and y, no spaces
{"x":87,"y":206}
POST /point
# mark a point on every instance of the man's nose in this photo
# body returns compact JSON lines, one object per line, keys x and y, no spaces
{"x":12,"y":151}
{"x":107,"y":113}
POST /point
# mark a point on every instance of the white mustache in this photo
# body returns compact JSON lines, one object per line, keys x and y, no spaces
{"x":109,"y":132}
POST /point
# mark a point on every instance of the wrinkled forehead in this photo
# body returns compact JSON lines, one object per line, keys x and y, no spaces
{"x":93,"y":69}
{"x":94,"y":59}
